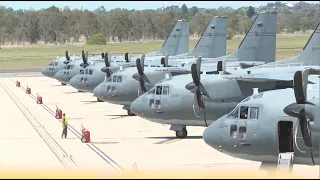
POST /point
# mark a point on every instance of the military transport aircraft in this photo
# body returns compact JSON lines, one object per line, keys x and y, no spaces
{"x":212,"y":43}
{"x":271,"y":127}
{"x":177,"y":43}
{"x":127,"y":91}
{"x":181,"y":103}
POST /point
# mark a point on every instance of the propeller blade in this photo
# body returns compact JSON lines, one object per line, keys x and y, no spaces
{"x":304,"y":129}
{"x":142,"y":85}
{"x":67,"y":55}
{"x":102,"y":55}
{"x":199,"y":100}
{"x":298,"y":88}
{"x":136,"y":76}
{"x":140,"y":67}
{"x":86,"y":56}
{"x":83,"y":57}
{"x":126,"y":57}
{"x":106,"y":59}
{"x":194,"y":73}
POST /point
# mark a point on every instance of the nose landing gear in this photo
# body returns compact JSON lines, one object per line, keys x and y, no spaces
{"x":130,"y":113}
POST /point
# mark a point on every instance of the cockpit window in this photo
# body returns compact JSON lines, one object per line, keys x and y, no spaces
{"x":119,"y":79}
{"x":234,"y":113}
{"x":68,"y":67}
{"x":109,"y":78}
{"x":152,"y":91}
{"x":159,"y":90}
{"x":165,"y":90}
{"x":86,"y":71}
{"x":244,"y":112}
{"x":81,"y":71}
{"x":71,"y":66}
{"x":90,"y":71}
{"x":55,"y":63}
{"x":254,"y":112}
{"x":114,"y":79}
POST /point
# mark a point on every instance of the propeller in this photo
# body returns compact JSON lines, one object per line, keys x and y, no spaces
{"x":126,"y":57}
{"x":84,"y":59}
{"x":102,"y":55}
{"x":140,"y":76}
{"x":196,"y":86}
{"x":106,"y":69}
{"x":298,"y":109}
{"x":67,"y":57}
{"x":165,"y":61}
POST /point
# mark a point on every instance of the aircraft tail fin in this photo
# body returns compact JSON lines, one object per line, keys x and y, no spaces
{"x":178,"y":40}
{"x":213,"y":41}
{"x":259,"y":44}
{"x":310,"y":54}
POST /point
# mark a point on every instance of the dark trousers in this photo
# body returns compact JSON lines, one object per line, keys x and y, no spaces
{"x":64,"y":131}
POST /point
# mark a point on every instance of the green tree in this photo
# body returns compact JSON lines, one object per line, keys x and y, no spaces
{"x":185,"y":11}
{"x":230,"y":33}
{"x":194,"y":10}
{"x":250,"y":12}
{"x":97,"y":39}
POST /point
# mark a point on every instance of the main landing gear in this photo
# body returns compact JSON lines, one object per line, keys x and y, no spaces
{"x":130,"y":113}
{"x":181,"y":131}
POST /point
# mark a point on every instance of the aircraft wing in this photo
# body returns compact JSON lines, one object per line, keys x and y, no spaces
{"x":263,"y":77}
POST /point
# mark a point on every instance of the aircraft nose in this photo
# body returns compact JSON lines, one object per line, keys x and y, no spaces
{"x":44,"y":71}
{"x":58,"y":75}
{"x":136,"y":107}
{"x":97,"y":91}
{"x":73,"y":82}
{"x":211,"y":136}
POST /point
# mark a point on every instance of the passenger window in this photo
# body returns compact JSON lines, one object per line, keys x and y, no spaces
{"x":119,"y":79}
{"x":159,"y":90}
{"x":86,"y":71}
{"x":114,"y":78}
{"x":242,"y":132}
{"x":244,"y":112}
{"x":90,"y":71}
{"x":233,"y":131}
{"x":165,"y":90}
{"x":234,"y":113}
{"x":254,"y":112}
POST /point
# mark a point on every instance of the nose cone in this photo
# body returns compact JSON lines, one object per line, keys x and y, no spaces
{"x":211,"y":136}
{"x":44,"y":71}
{"x":59,"y":75}
{"x":137,"y":106}
{"x":73,"y":82}
{"x":97,"y":91}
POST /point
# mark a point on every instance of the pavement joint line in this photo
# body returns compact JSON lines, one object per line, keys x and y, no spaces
{"x":76,"y":133}
{"x":42,"y":132}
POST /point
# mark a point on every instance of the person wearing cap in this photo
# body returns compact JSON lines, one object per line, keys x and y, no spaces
{"x":64,"y":126}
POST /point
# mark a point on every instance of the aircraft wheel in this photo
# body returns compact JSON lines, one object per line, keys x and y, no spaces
{"x":182,"y":134}
{"x":79,"y":91}
{"x":99,"y":100}
{"x":63,"y":84}
{"x":130,"y":113}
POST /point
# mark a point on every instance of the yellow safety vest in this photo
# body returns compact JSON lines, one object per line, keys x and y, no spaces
{"x":64,"y":121}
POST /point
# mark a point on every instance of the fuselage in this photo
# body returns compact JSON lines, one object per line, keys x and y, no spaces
{"x":265,"y":132}
{"x":53,"y":67}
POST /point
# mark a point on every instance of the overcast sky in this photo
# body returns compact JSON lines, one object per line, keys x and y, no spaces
{"x":139,"y":5}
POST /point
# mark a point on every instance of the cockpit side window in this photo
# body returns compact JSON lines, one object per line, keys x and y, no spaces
{"x":86,"y":71}
{"x":234,"y":113}
{"x":114,"y":79}
{"x":233,"y":131}
{"x":109,"y":79}
{"x":68,"y":66}
{"x":71,"y":66}
{"x":152,"y":91}
{"x":90,"y":71}
{"x":254,"y":112}
{"x":119,"y":79}
{"x":55,"y":63}
{"x":165,"y":90}
{"x":244,"y":112}
{"x":159,"y":90}
{"x":81,"y":71}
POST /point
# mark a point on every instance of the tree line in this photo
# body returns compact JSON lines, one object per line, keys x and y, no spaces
{"x":63,"y":25}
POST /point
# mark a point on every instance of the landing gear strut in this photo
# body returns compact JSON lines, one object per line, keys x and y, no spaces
{"x":99,"y":100}
{"x":130,"y":113}
{"x":182,"y":134}
{"x":63,"y":84}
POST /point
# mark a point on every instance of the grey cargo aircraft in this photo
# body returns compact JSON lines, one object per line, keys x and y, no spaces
{"x":271,"y":128}
{"x":78,"y":65}
{"x":212,"y":43}
{"x":176,"y":43}
{"x":204,"y":100}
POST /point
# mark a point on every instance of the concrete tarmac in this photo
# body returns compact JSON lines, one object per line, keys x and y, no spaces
{"x":128,"y":142}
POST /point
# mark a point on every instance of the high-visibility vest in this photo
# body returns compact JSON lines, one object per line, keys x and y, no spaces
{"x":64,"y":121}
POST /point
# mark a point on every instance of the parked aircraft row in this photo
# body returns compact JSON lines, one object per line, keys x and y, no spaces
{"x":206,"y":87}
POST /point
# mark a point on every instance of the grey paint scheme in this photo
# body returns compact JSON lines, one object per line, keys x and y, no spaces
{"x":211,"y":44}
{"x":225,"y":91}
{"x":184,"y":104}
{"x":54,"y":66}
{"x":261,"y":142}
{"x":176,"y":43}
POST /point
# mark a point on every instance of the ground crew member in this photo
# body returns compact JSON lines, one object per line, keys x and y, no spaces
{"x":64,"y":126}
